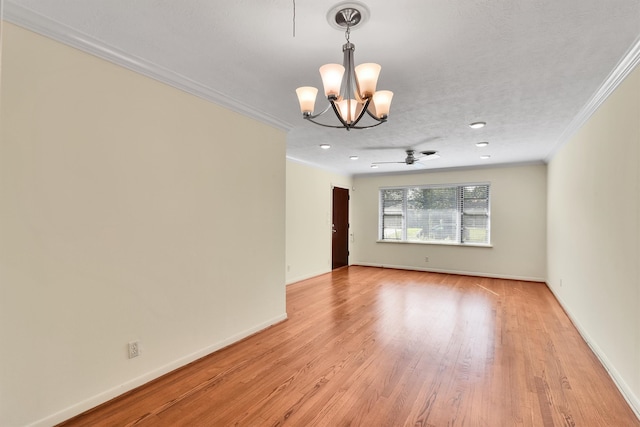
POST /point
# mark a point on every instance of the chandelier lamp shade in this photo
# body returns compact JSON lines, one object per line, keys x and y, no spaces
{"x":350,"y":90}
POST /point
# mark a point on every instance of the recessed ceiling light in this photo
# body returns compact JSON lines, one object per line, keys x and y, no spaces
{"x":485,"y":157}
{"x":354,"y":157}
{"x":477,"y":125}
{"x":325,"y":146}
{"x":374,"y":166}
{"x":482,"y":144}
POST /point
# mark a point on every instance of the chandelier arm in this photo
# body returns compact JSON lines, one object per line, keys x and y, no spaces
{"x":365,"y":108}
{"x":309,"y":118}
{"x":382,"y":120}
{"x":367,"y":127}
{"x":323,"y":124}
{"x":345,"y":125}
{"x":313,"y":116}
{"x":338,"y":115}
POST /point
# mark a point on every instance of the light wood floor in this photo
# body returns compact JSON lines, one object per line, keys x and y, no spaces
{"x":379,"y":347}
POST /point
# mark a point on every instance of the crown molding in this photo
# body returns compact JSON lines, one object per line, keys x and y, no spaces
{"x":27,"y":18}
{"x":320,"y":167}
{"x":626,"y":65}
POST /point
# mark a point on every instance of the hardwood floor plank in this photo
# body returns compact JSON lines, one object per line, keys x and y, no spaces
{"x":368,"y":346}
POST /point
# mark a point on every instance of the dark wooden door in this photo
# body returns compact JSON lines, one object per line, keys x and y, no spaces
{"x":340,"y":229}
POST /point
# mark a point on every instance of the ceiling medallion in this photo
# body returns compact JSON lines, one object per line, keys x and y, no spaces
{"x":350,"y":90}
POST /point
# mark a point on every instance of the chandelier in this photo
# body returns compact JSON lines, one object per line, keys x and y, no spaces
{"x":350,"y":90}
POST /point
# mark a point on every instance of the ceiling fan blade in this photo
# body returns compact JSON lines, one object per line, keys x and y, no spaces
{"x":428,"y":155}
{"x":386,"y":147}
{"x":399,"y":147}
{"x":412,"y":160}
{"x":426,"y":158}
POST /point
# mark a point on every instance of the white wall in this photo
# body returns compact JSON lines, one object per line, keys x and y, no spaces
{"x":594,"y":233}
{"x":308,"y":224}
{"x":122,"y":217}
{"x":518,"y":225}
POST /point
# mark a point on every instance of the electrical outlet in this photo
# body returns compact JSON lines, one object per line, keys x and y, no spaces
{"x":426,"y":259}
{"x":134,"y":349}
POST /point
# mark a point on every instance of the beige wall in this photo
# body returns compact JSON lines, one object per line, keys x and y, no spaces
{"x":594,"y":229}
{"x":308,"y":224}
{"x":518,"y":210}
{"x":123,"y":217}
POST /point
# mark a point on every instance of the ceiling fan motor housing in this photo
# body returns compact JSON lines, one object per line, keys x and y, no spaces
{"x":410,"y":158}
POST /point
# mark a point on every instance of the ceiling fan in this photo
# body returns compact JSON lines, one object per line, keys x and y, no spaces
{"x":411,"y":158}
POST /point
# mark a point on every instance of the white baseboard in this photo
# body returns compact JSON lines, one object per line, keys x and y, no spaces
{"x":107,"y":395}
{"x":458,"y":272}
{"x":627,"y":392}
{"x":306,"y":276}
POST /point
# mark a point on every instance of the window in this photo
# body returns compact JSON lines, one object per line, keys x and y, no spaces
{"x":457,"y":214}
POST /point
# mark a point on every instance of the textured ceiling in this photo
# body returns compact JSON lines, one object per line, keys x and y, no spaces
{"x":530,"y":69}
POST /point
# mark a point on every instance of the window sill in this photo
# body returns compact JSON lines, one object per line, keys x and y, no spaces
{"x":406,"y":242}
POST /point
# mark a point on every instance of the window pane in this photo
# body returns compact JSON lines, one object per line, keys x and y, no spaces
{"x":392,"y":227}
{"x":476,"y":206}
{"x":455,"y":214}
{"x":475,"y":229}
{"x":392,"y":201}
{"x":475,"y":210}
{"x":432,"y":214}
{"x":476,"y":191}
{"x":392,"y":213}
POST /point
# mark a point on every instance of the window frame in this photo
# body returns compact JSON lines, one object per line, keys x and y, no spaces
{"x":460,"y":215}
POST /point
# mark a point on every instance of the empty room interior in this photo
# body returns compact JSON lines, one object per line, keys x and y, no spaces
{"x":202,"y":224}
